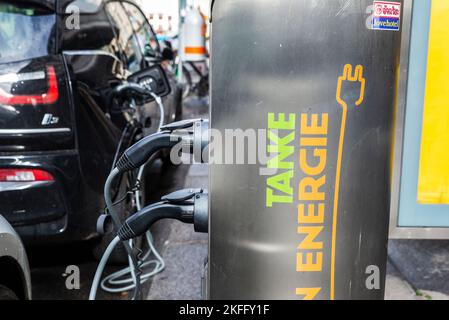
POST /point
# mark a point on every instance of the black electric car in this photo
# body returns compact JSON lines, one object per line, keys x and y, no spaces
{"x":59,"y":130}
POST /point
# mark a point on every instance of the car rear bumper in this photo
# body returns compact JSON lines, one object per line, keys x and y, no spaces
{"x":29,"y":203}
{"x":47,"y":211}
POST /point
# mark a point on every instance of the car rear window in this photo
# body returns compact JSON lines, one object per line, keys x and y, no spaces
{"x":26,"y":32}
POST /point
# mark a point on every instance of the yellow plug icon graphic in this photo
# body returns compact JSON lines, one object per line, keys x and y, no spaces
{"x":347,"y":76}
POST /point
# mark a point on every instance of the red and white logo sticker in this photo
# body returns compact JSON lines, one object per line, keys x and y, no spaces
{"x":387,"y":15}
{"x":387,"y":9}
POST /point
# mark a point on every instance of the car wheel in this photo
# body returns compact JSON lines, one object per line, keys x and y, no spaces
{"x":119,"y":256}
{"x":7,"y":294}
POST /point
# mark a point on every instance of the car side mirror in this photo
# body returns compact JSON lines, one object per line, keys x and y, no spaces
{"x":153,"y":77}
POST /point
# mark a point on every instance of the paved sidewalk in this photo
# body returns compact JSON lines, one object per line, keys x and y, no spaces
{"x":418,"y":270}
{"x":399,"y":289}
{"x":184,"y":253}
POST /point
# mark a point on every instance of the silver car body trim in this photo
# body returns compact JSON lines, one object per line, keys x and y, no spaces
{"x":34,"y":131}
{"x":16,"y":185}
{"x":90,"y":53}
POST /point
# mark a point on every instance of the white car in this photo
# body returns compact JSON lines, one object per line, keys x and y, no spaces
{"x":15,"y":280}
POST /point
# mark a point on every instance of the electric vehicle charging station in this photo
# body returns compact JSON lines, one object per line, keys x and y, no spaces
{"x":321,"y":78}
{"x":324,"y":87}
{"x":314,"y":223}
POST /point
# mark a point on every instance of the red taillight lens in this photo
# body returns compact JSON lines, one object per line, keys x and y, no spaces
{"x":24,"y":175}
{"x":50,"y":97}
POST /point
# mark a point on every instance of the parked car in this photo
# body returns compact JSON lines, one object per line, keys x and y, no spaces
{"x":15,"y":280}
{"x":59,"y":60}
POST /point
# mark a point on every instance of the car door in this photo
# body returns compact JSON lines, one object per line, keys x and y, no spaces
{"x":132,"y":55}
{"x":151,"y":51}
{"x":145,"y":34}
{"x":127,"y":42}
{"x":95,"y":65}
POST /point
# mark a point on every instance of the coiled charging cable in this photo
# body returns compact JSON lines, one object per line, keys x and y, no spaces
{"x":125,"y":279}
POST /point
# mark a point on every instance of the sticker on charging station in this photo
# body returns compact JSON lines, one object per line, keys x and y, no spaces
{"x":387,"y":16}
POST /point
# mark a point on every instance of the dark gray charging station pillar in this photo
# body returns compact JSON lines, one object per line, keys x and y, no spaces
{"x":318,"y":79}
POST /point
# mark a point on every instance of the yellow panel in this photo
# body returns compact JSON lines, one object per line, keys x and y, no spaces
{"x":433,"y":185}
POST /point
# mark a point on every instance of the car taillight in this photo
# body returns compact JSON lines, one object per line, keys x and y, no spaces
{"x":49,"y":97}
{"x":24,"y":175}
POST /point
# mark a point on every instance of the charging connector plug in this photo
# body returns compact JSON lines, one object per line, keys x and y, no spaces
{"x":196,"y":140}
{"x":188,"y":206}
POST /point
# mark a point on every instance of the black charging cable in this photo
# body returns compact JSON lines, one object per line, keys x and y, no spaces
{"x":195,"y":137}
